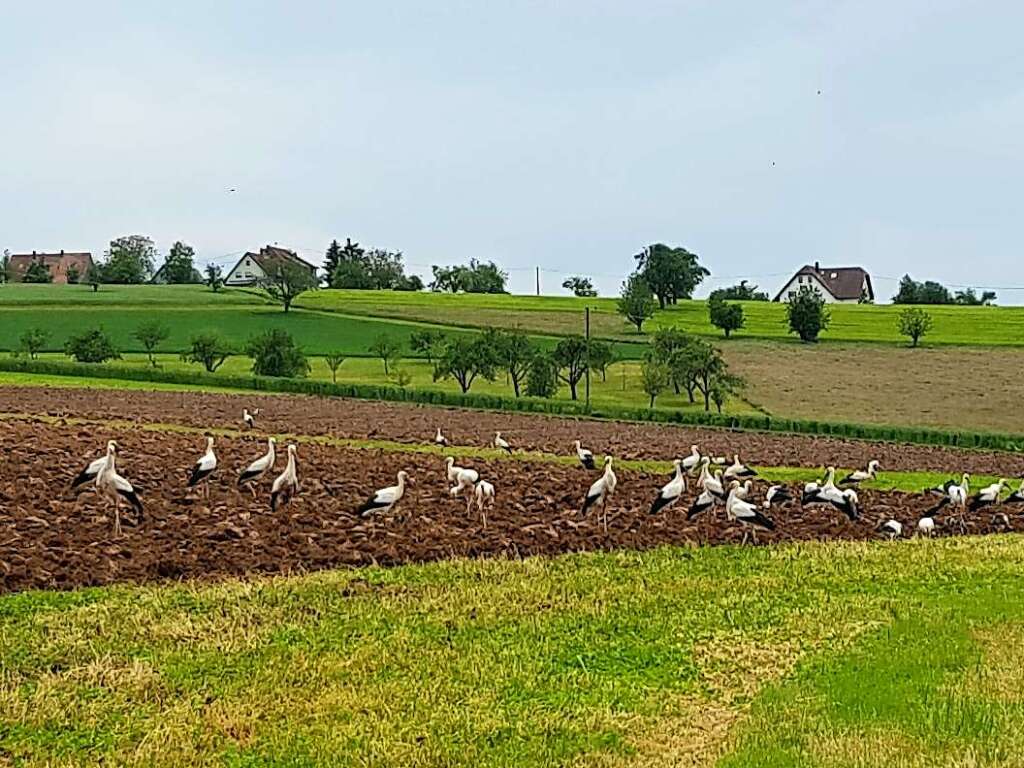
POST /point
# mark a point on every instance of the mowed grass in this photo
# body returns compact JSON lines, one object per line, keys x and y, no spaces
{"x":834,"y":654}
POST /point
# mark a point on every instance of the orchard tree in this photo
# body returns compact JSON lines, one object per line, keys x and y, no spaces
{"x":602,"y":354}
{"x":214,"y":277}
{"x":150,"y":335}
{"x":571,"y":357}
{"x":427,"y":342}
{"x":914,"y":323}
{"x":334,"y":361}
{"x":94,"y":276}
{"x":464,"y":358}
{"x":92,"y":346}
{"x":33,"y":341}
{"x":807,"y":314}
{"x":542,"y":378}
{"x":728,"y":317}
{"x":636,"y":303}
{"x":208,"y":349}
{"x":514,"y":353}
{"x":580,"y":286}
{"x":671,"y":273}
{"x":387,"y":349}
{"x":655,"y":377}
{"x":285,"y":282}
{"x":275,"y":353}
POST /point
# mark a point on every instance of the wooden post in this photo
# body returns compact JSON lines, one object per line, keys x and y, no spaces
{"x":586,"y":329}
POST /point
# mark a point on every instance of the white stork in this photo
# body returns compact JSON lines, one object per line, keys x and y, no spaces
{"x":713,"y":490}
{"x":440,"y":439}
{"x":255,"y":471}
{"x":585,"y":456}
{"x":601,"y":490}
{"x":88,"y":475}
{"x":953,"y":493}
{"x":249,"y":419}
{"x":926,"y":526}
{"x":692,"y":462}
{"x":113,"y":487}
{"x":738,"y":470}
{"x":891,"y":529}
{"x":465,"y":480}
{"x":286,"y":485}
{"x":828,"y":493}
{"x":671,"y":491}
{"x":862,"y":475}
{"x":484,"y":495}
{"x":987,"y":496}
{"x":453,"y":471}
{"x":776,"y":495}
{"x":203,"y":468}
{"x":501,"y":443}
{"x":1017,"y":497}
{"x":385,"y":499}
{"x":739,"y":509}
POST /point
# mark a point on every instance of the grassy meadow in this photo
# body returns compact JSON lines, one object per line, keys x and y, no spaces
{"x":836,"y":654}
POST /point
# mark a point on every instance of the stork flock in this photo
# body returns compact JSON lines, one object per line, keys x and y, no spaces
{"x":729,"y":485}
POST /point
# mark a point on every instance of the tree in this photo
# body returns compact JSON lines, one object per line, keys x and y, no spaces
{"x":208,"y":349}
{"x":476,"y":277}
{"x":514,"y":351}
{"x":636,"y":303}
{"x":33,"y":341}
{"x":654,"y":376}
{"x":971,"y":299}
{"x":571,"y":357}
{"x":334,"y":361}
{"x":5,"y":266}
{"x":91,"y":347}
{"x":602,"y":354}
{"x":724,"y":386}
{"x":150,"y":335}
{"x":37,"y":272}
{"x":807,"y":314}
{"x":427,"y":342}
{"x":179,"y":267}
{"x":387,"y":349}
{"x":740,"y":292}
{"x":94,"y":276}
{"x":671,"y":273}
{"x":72,"y":274}
{"x":214,"y":277}
{"x":285,"y":282}
{"x":580,"y":286}
{"x":275,"y":353}
{"x":542,"y":378}
{"x":914,"y":323}
{"x":929,"y":292}
{"x":129,"y":260}
{"x":332,"y":258}
{"x":728,"y":317}
{"x":669,"y":345}
{"x":464,"y":359}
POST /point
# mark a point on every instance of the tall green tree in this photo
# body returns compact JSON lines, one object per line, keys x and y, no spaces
{"x":5,"y":266}
{"x":129,"y":260}
{"x":671,"y":273}
{"x":602,"y":354}
{"x":807,"y":314}
{"x":332,"y":258}
{"x":514,"y":352}
{"x":466,"y":358}
{"x":179,"y":266}
{"x":580,"y":286}
{"x":427,"y":342}
{"x":285,"y":282}
{"x":636,"y":303}
{"x":570,"y":355}
{"x":476,"y":277}
{"x":728,"y":317}
{"x":214,"y":277}
{"x":654,"y":377}
{"x":542,"y":378}
{"x":94,"y":276}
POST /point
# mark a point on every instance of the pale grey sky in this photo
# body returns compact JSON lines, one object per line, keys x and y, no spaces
{"x":561,"y":134}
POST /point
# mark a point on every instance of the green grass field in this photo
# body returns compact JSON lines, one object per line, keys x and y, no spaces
{"x":813,"y":655}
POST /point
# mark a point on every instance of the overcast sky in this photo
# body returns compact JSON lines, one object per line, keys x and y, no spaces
{"x":562,"y":134}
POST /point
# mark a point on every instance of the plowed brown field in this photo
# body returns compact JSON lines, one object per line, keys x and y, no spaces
{"x":406,"y":423}
{"x":51,"y":539}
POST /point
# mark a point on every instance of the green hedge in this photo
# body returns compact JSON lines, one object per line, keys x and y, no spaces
{"x":695,"y":418}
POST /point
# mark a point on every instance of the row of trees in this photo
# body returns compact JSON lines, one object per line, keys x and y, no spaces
{"x":931,"y":292}
{"x":688,"y":363}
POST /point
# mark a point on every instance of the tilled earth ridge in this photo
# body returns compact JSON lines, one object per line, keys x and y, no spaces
{"x":407,"y":423}
{"x":52,"y":539}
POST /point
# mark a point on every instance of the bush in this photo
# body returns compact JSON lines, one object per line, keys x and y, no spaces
{"x":542,"y":378}
{"x":91,"y":347}
{"x":208,"y":349}
{"x":728,"y":317}
{"x":806,"y":314}
{"x":274,"y":353}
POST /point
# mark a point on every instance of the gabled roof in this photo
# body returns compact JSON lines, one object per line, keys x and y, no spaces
{"x":57,"y":263}
{"x":271,"y":256}
{"x":844,"y":283}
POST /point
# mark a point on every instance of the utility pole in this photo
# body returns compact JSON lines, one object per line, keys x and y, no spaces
{"x":538,"y":280}
{"x":586,"y":333}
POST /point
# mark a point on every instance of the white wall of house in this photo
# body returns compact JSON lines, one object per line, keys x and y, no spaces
{"x":246,"y":272}
{"x":799,"y":281}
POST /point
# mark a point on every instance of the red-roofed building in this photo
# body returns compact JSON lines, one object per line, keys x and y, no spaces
{"x":253,"y":267}
{"x":837,"y":285}
{"x":57,"y":263}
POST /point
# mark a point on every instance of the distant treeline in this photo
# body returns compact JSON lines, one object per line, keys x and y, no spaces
{"x":931,"y":292}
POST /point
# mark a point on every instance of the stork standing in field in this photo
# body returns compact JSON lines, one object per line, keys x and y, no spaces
{"x":828,"y":493}
{"x":926,"y":526}
{"x":738,"y":508}
{"x":737,"y":470}
{"x":987,"y":496}
{"x":501,"y":443}
{"x":862,"y":475}
{"x":692,"y":462}
{"x":286,"y":485}
{"x":203,"y":468}
{"x":255,"y":471}
{"x":713,"y":490}
{"x":484,"y":496}
{"x":453,"y":471}
{"x":92,"y":469}
{"x":1017,"y":497}
{"x":586,"y":457}
{"x":601,"y":491}
{"x":671,"y":491}
{"x":113,"y":487}
{"x":776,"y":495}
{"x":385,"y":499}
{"x":465,"y":481}
{"x":249,"y":419}
{"x":891,"y":529}
{"x":955,"y":495}
{"x":440,"y":439}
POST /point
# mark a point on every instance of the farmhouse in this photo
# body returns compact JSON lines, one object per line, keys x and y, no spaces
{"x":837,"y":285}
{"x":57,"y":263}
{"x":253,"y":267}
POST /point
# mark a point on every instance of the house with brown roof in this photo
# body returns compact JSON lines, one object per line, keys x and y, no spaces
{"x":837,"y":285}
{"x":57,"y":263}
{"x":253,"y":267}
